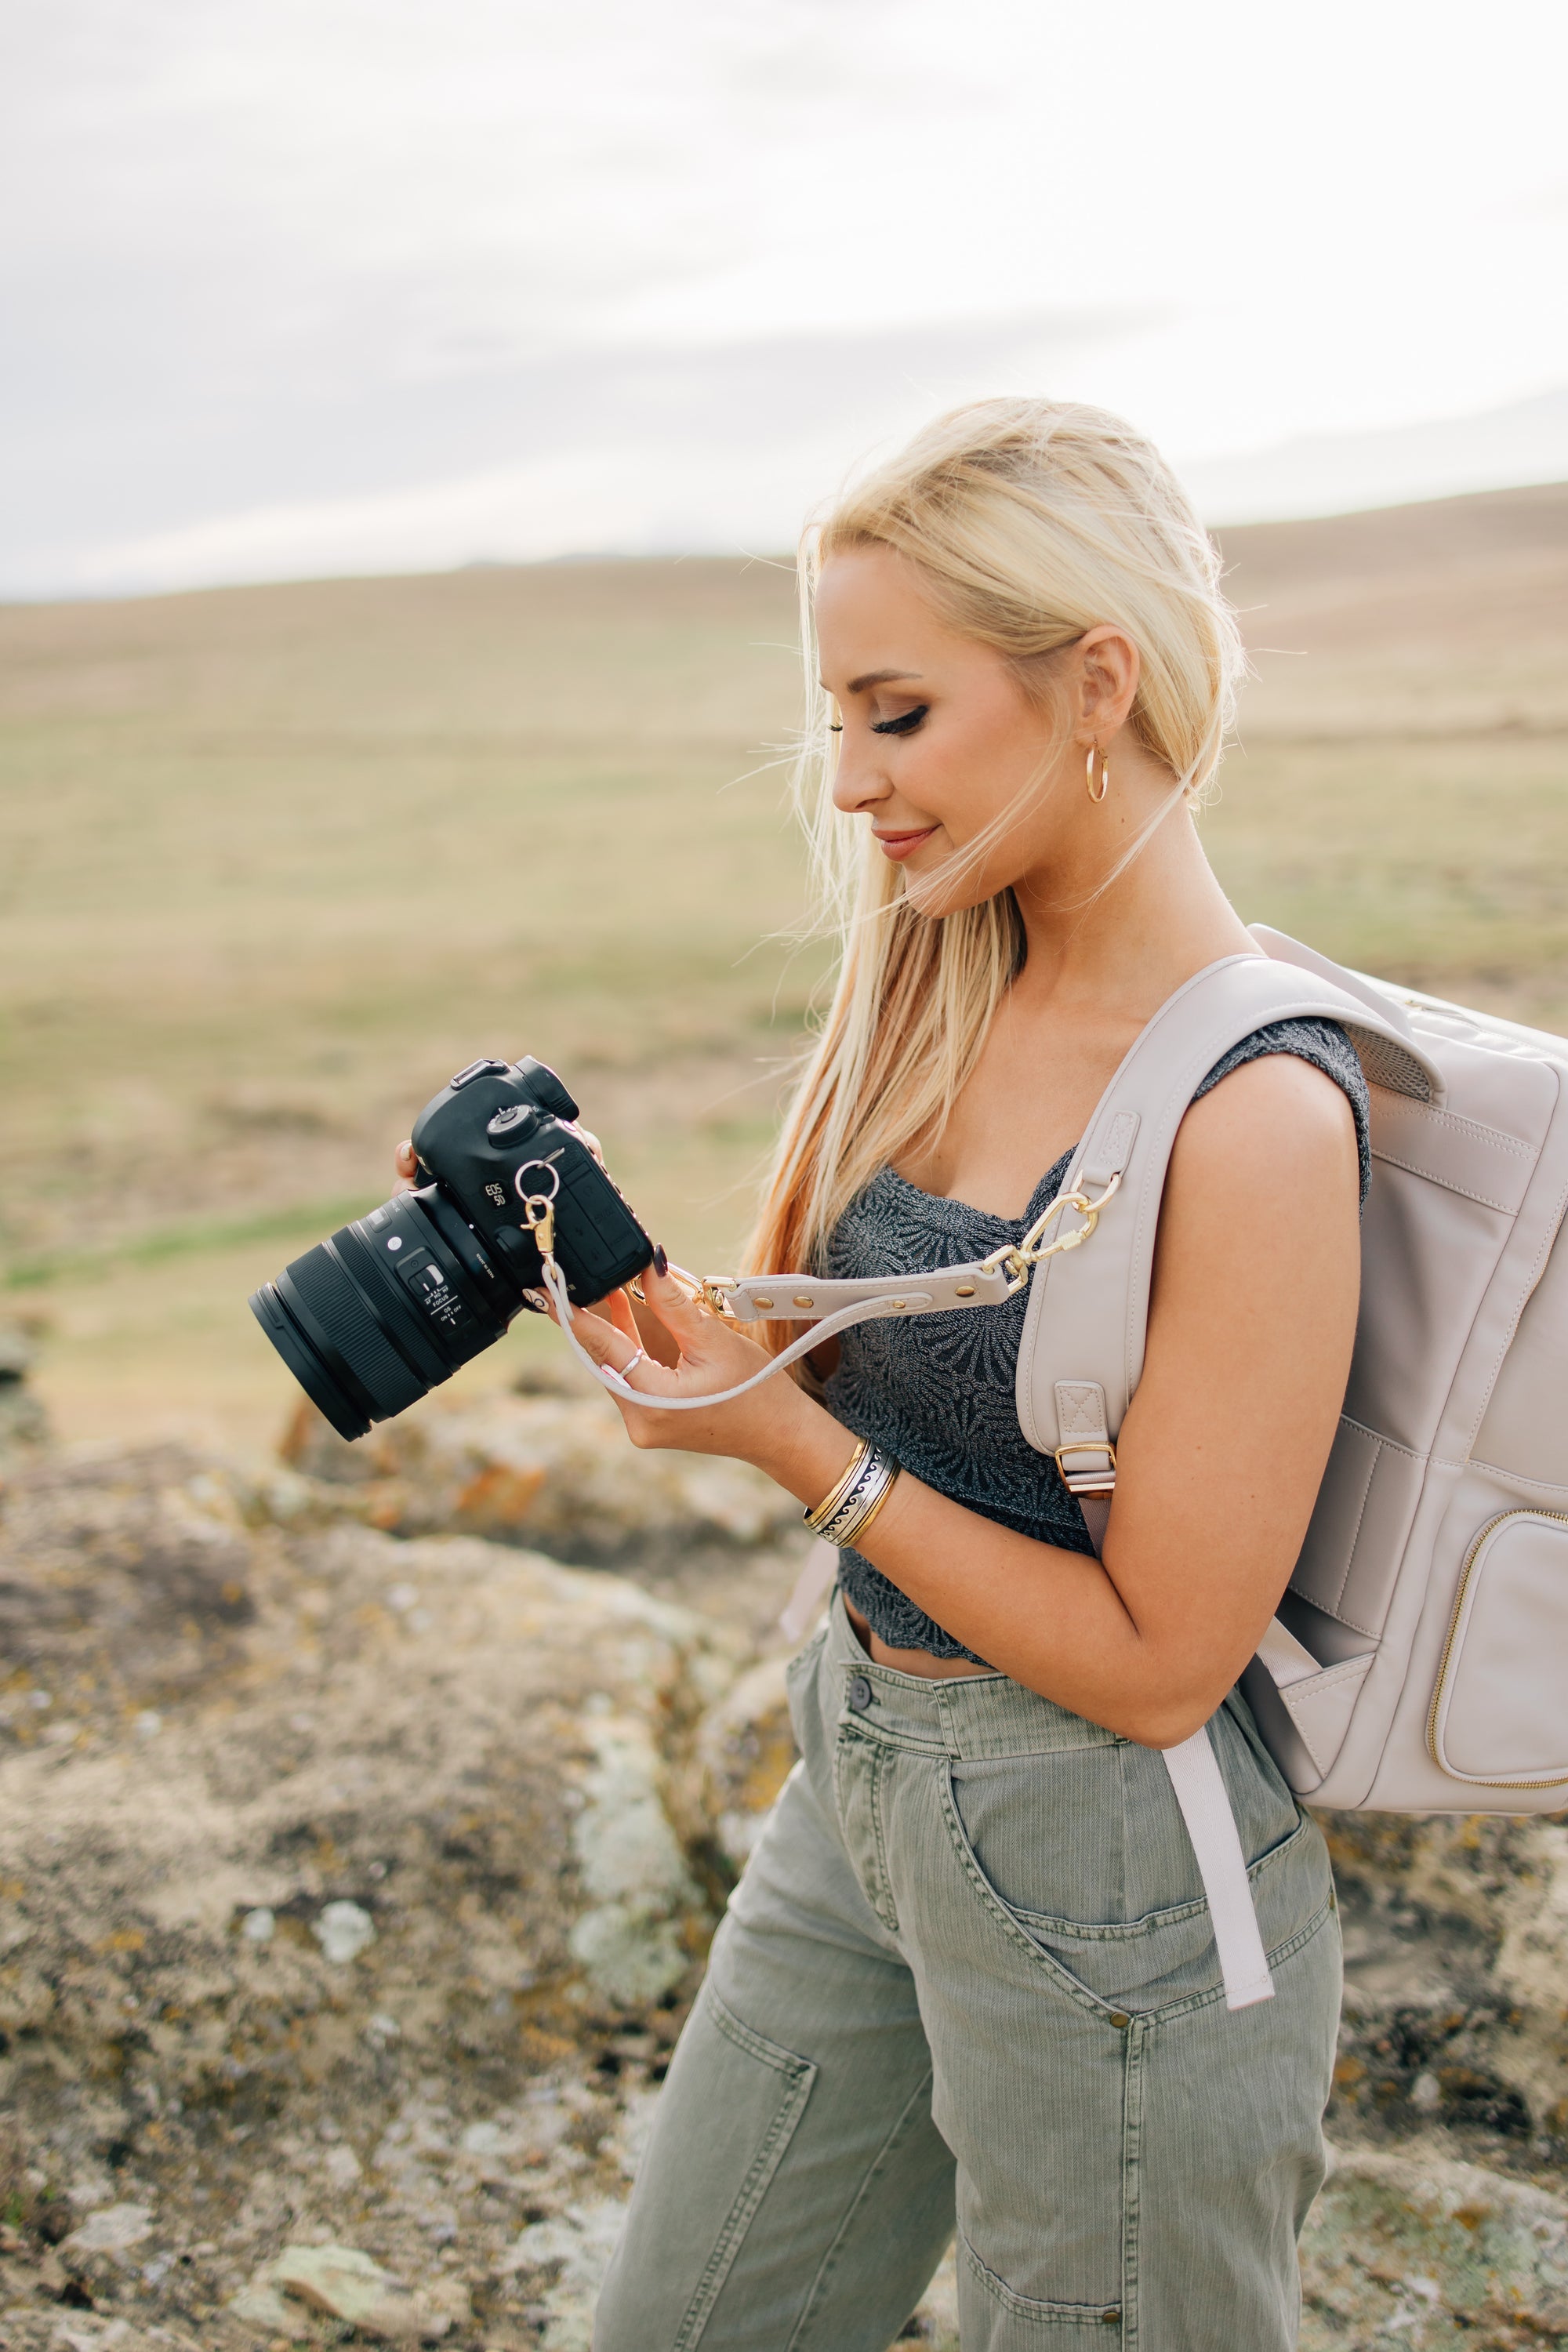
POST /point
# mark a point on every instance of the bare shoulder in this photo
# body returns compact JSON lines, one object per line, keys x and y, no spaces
{"x":1258,"y":1253}
{"x":1278,"y":1123}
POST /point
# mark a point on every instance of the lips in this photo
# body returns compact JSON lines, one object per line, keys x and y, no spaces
{"x":899,"y":846}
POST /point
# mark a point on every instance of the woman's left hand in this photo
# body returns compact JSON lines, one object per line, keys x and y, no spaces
{"x":766,"y":1428}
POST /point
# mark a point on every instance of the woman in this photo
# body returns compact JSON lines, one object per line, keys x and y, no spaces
{"x":970,"y":1967}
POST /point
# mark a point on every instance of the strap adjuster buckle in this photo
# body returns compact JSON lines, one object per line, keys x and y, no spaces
{"x":1088,"y":1466}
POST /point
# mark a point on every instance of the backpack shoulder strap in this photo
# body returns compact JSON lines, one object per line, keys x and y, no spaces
{"x":1082,"y":1350}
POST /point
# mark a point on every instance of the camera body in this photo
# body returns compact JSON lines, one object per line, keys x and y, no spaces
{"x":396,"y":1302}
{"x":502,"y":1132}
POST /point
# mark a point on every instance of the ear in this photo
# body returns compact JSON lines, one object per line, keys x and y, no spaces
{"x":1109,"y":672}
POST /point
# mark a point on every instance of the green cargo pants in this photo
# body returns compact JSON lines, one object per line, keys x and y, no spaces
{"x":969,"y":1974}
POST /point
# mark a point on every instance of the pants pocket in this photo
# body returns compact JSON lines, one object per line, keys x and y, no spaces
{"x":995,"y":2318}
{"x":1140,"y":1960}
{"x":726,"y":2117}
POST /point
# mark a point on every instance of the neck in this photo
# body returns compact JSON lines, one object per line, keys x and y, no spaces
{"x":1123,"y":947}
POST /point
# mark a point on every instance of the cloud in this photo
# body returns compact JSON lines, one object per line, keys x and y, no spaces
{"x":1333,"y":473}
{"x":738,"y":457}
{"x":632,"y":452}
{"x":329,"y":268}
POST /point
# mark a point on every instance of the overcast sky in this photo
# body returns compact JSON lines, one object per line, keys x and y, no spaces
{"x":297,"y":285}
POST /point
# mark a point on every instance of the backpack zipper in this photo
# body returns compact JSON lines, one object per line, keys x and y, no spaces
{"x":1555,"y":1780}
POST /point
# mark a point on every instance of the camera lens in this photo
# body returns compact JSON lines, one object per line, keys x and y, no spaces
{"x":372,"y":1320}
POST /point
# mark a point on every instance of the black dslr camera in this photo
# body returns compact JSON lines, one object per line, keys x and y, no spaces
{"x":394,"y":1304}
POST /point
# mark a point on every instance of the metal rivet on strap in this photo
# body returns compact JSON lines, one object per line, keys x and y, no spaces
{"x":1119,"y":2019}
{"x":964,"y":1290}
{"x":803,"y":1299}
{"x":761,"y":1305}
{"x":1112,"y":2318}
{"x":860,"y":1694}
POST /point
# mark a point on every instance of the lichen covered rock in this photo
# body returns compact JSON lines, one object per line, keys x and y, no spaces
{"x":1455,"y":1983}
{"x":554,"y":1473}
{"x":309,"y":1781}
{"x":24,"y":1423}
{"x":1419,"y":2252}
{"x":348,"y":1848}
{"x":740,"y":1759}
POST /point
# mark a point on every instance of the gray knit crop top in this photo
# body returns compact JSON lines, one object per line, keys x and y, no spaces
{"x":938,"y":1392}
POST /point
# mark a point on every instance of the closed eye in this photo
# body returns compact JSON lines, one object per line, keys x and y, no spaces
{"x":905,"y":724}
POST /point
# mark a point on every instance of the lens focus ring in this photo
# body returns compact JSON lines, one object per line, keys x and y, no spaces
{"x":327,"y":1291}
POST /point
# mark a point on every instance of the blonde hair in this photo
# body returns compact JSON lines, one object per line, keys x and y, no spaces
{"x":1030,"y":521}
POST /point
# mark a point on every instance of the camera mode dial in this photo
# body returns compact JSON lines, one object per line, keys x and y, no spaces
{"x":514,"y":1115}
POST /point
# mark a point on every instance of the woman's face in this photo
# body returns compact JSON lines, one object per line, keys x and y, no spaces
{"x":940,"y":738}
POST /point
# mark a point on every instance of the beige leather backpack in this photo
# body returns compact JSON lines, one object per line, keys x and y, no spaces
{"x":1419,"y":1660}
{"x":1418,"y":1663}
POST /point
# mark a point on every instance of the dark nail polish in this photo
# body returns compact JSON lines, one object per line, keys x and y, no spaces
{"x":661,"y":1259}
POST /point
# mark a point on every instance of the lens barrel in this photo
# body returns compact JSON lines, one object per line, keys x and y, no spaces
{"x":392,"y":1305}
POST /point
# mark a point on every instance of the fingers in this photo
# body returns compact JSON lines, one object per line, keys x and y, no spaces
{"x":673,"y":1303}
{"x":661,"y":1344}
{"x":618,"y":1308}
{"x":591,"y":1331}
{"x":612,"y":1343}
{"x":402,"y":1159}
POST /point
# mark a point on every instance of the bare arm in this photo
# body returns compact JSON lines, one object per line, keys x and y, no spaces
{"x":1251,"y":1324}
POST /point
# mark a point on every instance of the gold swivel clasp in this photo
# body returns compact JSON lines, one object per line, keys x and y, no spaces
{"x":1017,"y":1258}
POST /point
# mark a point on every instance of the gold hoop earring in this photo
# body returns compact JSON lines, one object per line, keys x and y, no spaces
{"x":1096,"y":753}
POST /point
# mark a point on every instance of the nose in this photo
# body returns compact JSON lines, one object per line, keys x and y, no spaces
{"x":857,"y":783}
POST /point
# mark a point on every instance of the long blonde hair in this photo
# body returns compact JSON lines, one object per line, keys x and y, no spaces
{"x":1030,"y":521}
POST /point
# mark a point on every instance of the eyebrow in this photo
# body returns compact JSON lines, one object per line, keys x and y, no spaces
{"x":875,"y":677}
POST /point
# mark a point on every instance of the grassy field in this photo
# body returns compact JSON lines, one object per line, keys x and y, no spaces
{"x":276,"y":860}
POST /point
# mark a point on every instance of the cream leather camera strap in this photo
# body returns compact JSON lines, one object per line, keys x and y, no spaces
{"x":925,"y":1294}
{"x":836,"y":1305}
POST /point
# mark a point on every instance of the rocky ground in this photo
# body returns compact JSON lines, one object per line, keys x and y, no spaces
{"x":361,"y":1834}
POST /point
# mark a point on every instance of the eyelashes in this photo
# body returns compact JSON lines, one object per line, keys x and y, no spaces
{"x":905,"y":724}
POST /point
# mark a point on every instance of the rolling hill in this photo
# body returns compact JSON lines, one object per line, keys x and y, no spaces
{"x":276,"y":859}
